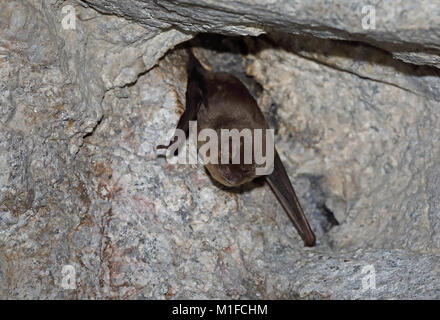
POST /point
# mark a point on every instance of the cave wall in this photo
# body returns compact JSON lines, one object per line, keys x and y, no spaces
{"x":81,"y":185}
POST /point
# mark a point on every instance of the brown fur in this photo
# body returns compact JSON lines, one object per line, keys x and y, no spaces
{"x":220,"y":101}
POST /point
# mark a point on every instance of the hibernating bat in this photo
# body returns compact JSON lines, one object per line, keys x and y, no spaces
{"x":218,"y":100}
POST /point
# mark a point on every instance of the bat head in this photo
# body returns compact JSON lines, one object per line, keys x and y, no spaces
{"x":232,"y":175}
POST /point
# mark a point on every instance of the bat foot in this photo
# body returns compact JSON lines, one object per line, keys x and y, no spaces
{"x":162,"y":146}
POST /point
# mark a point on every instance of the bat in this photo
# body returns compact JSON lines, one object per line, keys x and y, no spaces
{"x":219,"y":100}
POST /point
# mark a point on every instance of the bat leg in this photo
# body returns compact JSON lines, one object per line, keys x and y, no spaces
{"x":283,"y":189}
{"x":190,"y":114}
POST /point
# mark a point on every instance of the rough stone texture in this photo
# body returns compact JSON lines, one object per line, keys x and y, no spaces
{"x":411,"y":30}
{"x":81,"y":183}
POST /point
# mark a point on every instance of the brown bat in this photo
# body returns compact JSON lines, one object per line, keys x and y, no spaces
{"x":218,"y":100}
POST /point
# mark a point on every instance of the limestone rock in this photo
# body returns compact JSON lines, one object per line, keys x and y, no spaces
{"x":410,"y":30}
{"x":82,"y":186}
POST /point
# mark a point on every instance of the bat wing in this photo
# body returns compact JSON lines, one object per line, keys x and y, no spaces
{"x":283,"y":189}
{"x":194,"y":97}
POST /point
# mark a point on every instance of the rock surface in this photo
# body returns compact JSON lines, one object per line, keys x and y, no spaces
{"x":410,"y":30}
{"x":81,"y":184}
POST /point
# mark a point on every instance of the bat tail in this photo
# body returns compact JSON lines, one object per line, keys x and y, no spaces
{"x":283,"y":189}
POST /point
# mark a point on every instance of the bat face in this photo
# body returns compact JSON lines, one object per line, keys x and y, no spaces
{"x":232,"y":175}
{"x":220,"y":101}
